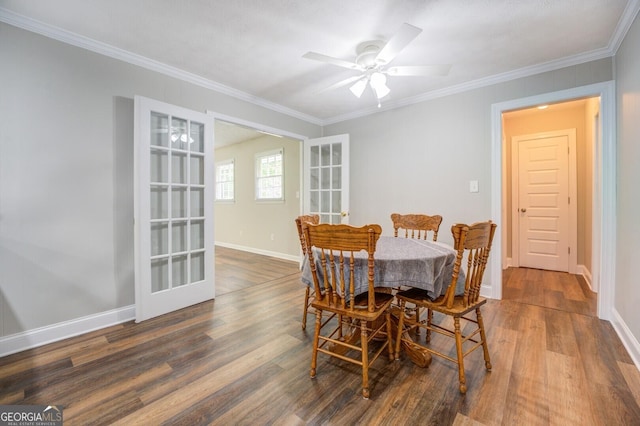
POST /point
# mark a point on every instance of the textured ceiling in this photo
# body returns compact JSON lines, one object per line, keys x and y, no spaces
{"x":254,"y":48}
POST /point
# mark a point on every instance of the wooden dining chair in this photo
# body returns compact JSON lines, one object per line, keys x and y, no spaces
{"x":472,"y":242}
{"x":416,"y":225}
{"x":309,"y":293}
{"x":332,"y":251}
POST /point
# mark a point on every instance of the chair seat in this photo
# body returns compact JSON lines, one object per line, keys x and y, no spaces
{"x":360,"y":311}
{"x":420,"y":297}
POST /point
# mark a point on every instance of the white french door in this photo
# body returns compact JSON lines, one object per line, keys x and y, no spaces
{"x":326,"y":178}
{"x":174,"y":183}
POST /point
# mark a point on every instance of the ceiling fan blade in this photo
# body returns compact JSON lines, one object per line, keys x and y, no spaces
{"x":399,"y":41}
{"x":419,"y":70}
{"x":343,"y":83}
{"x":331,"y":60}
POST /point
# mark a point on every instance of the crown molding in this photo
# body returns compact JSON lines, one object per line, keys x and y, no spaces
{"x":627,"y":18}
{"x":86,"y":43}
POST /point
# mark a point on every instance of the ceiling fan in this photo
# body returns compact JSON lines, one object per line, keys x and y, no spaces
{"x":372,"y":60}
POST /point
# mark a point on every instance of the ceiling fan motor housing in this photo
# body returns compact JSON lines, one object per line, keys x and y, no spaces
{"x":367,"y":53}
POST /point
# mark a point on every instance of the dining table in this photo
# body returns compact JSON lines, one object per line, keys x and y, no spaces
{"x":402,"y":262}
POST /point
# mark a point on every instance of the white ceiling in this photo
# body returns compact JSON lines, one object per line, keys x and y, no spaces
{"x":253,"y":49}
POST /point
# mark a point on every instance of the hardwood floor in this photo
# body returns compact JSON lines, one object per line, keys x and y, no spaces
{"x":243,"y":359}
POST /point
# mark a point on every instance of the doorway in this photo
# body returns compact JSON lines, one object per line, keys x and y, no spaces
{"x":549,"y":186}
{"x":602,"y":249}
{"x":242,"y":221}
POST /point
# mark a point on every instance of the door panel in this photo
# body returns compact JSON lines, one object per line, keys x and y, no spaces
{"x":173,"y":208}
{"x":543,"y":202}
{"x":326,"y":178}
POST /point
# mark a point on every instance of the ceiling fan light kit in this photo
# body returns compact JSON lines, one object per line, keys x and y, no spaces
{"x":372,"y":57}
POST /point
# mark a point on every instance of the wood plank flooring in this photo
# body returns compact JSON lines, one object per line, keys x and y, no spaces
{"x":243,"y":359}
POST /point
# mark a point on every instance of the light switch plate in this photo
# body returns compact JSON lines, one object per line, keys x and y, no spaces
{"x":473,"y":186}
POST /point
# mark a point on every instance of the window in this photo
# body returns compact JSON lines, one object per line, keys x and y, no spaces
{"x":224,"y":181}
{"x":270,"y":175}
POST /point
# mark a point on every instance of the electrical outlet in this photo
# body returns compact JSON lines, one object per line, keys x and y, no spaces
{"x":473,"y":186}
{"x":273,"y":237}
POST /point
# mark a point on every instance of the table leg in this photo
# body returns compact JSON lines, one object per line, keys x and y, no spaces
{"x":419,"y":356}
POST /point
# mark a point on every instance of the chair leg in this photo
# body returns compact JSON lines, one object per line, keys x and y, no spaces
{"x":458,"y":333}
{"x":306,"y":308}
{"x":417,"y":329}
{"x":485,"y":347}
{"x":316,"y":334}
{"x":364,"y":337}
{"x":400,"y":326}
{"x":389,"y":336}
{"x":429,"y":319}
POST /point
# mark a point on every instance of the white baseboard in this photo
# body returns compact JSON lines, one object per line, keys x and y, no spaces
{"x":277,"y":255}
{"x":53,"y":333}
{"x":586,"y":274}
{"x":628,"y":339}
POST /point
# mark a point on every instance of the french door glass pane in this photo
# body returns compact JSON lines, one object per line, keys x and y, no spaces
{"x":159,"y":166}
{"x":324,"y":202}
{"x":197,"y":267}
{"x":336,"y":154}
{"x":159,"y":129}
{"x":325,"y":182}
{"x":178,"y":202}
{"x":196,"y":142}
{"x":336,"y":177}
{"x":159,"y":238}
{"x":159,"y":202}
{"x":197,"y":170}
{"x":179,"y":236}
{"x":315,"y":156}
{"x":159,"y":275}
{"x":179,"y":271}
{"x":197,"y":202}
{"x":336,"y":197}
{"x":315,"y":178}
{"x":325,"y":155}
{"x":179,"y":167}
{"x":179,"y":134}
{"x":197,"y":234}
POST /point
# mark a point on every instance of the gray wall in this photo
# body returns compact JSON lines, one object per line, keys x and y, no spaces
{"x":66,"y":175}
{"x":627,"y":294}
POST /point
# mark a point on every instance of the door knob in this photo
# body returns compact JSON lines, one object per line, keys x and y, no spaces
{"x":523,"y":210}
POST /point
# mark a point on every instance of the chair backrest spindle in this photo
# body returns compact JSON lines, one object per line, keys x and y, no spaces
{"x":416,"y":225}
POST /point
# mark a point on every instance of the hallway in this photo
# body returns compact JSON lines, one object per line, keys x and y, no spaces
{"x":550,"y":289}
